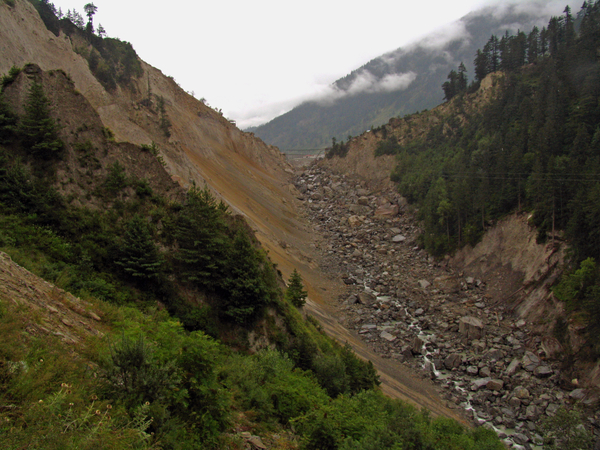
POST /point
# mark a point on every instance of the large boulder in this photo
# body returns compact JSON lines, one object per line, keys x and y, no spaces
{"x":530,"y":361}
{"x":471,"y":327}
{"x":386,"y":211}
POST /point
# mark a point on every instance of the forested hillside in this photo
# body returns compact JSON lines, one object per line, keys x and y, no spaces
{"x":534,"y":148}
{"x":365,"y":98}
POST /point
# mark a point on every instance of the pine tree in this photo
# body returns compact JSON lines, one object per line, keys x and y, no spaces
{"x":243,"y":289}
{"x":201,"y":238}
{"x":139,"y":258}
{"x":38,"y":130}
{"x":8,"y":122}
{"x":295,"y":292}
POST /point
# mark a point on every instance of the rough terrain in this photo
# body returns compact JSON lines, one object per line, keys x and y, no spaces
{"x":442,"y":323}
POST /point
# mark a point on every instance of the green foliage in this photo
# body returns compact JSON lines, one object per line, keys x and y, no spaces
{"x":37,"y":128}
{"x":565,"y":431}
{"x":139,"y":257}
{"x":295,"y":292}
{"x":116,"y":179}
{"x":153,"y":149}
{"x":580,"y":291}
{"x":456,"y":84}
{"x":388,"y":146}
{"x":532,"y":147}
{"x":371,"y":421}
{"x":339,"y":149}
{"x":12,"y":75}
{"x":136,"y":376}
{"x":243,"y":289}
{"x":268,"y":384}
{"x":164,"y":122}
{"x":201,"y":236}
{"x":10,"y":3}
{"x":8,"y":121}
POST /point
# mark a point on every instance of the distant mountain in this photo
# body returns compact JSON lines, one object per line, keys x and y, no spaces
{"x":401,"y":82}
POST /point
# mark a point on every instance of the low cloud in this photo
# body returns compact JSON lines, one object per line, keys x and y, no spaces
{"x":442,"y":37}
{"x":366,"y":83}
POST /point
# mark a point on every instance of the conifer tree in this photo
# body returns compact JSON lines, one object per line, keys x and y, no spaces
{"x":244,"y":291}
{"x":201,"y":238}
{"x":8,"y":121}
{"x":295,"y":292}
{"x":139,"y":258}
{"x":38,"y":130}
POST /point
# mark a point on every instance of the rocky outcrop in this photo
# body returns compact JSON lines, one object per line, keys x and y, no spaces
{"x":446,"y":325}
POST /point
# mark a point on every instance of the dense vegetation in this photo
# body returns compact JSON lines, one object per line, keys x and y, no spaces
{"x":111,"y":60}
{"x":534,"y":147}
{"x":180,"y":283}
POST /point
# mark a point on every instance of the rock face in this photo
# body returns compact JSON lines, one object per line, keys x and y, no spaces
{"x":407,"y":306}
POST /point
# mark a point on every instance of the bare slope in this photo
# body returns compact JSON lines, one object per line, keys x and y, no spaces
{"x":252,"y":177}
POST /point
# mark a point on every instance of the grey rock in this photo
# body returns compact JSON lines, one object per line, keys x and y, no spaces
{"x":530,"y":361}
{"x":479,"y":383}
{"x":472,"y":370}
{"x":513,"y":367}
{"x":521,"y":392}
{"x":452,"y":361}
{"x":543,"y":371}
{"x":485,"y":372}
{"x":471,"y":327}
{"x":399,"y":238}
{"x":495,"y":385}
{"x":387,"y":336}
{"x":417,"y":345}
{"x":364,"y":201}
{"x":365,"y":298}
{"x":424,"y":284}
{"x":577,"y":394}
{"x":386,"y":211}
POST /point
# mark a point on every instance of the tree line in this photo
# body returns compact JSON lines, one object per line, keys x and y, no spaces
{"x":535,"y":147}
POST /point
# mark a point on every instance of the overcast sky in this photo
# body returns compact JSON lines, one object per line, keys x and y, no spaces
{"x":257,"y":59}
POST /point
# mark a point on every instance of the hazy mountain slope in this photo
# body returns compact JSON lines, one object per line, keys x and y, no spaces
{"x":364,"y":97}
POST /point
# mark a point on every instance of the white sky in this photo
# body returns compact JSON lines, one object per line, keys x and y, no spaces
{"x":257,"y":59}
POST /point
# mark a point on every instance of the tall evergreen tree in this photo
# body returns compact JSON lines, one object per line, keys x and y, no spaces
{"x":139,"y":256}
{"x":8,"y":121}
{"x":295,"y":292}
{"x":38,"y":130}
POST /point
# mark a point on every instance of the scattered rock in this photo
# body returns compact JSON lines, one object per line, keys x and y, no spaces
{"x":471,"y":327}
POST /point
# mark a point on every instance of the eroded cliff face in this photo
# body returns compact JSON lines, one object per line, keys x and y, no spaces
{"x":203,"y":147}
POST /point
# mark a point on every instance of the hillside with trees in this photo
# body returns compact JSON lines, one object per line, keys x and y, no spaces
{"x":533,"y":148}
{"x":313,"y":124}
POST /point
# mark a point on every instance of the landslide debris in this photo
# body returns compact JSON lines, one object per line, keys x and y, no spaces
{"x":444,"y":324}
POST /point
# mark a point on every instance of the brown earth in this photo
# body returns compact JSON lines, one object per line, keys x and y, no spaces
{"x":252,"y":177}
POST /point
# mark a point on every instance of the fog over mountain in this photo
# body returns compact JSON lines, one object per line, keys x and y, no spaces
{"x":401,"y":82}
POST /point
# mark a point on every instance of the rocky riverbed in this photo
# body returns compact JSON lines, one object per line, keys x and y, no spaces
{"x":407,"y":306}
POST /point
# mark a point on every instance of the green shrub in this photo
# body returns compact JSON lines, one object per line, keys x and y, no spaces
{"x":565,"y":431}
{"x":269,"y":385}
{"x":12,"y":75}
{"x":135,"y":376}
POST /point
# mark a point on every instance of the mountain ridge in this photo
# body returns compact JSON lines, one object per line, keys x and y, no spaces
{"x":312,"y":124}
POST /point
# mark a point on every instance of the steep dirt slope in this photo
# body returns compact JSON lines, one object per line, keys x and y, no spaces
{"x":252,"y":177}
{"x":203,"y":147}
{"x":52,"y":311}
